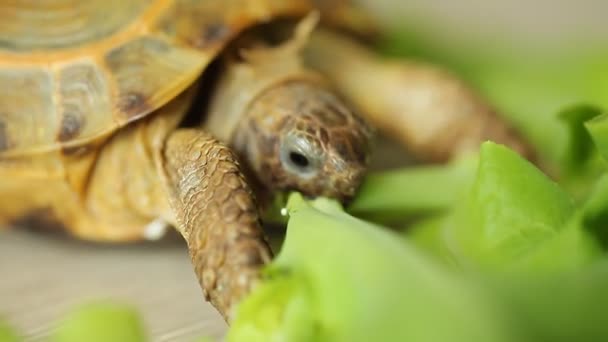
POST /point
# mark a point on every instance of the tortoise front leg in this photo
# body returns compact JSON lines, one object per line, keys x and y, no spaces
{"x":433,"y":113}
{"x":216,"y":214}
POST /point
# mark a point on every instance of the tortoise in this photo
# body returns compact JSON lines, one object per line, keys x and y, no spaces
{"x":118,"y":117}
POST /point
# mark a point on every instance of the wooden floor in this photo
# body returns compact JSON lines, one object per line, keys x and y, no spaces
{"x":43,"y":276}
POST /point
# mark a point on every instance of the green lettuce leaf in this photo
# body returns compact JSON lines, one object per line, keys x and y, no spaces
{"x":414,"y":191}
{"x":595,"y":212}
{"x":338,"y":278}
{"x":513,"y":218}
{"x":598,"y":129}
{"x":570,"y":306}
{"x":101,"y":322}
{"x":580,"y":150}
{"x":7,"y":334}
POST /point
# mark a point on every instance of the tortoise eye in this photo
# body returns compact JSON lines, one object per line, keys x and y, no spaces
{"x":298,"y":156}
{"x":298,"y":159}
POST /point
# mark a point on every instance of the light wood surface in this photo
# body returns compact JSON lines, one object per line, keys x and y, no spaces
{"x":43,"y":276}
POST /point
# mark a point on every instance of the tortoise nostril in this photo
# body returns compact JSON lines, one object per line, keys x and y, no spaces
{"x":298,"y":159}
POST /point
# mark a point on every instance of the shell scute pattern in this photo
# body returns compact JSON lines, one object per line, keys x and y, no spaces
{"x":71,"y":124}
{"x":74,"y":83}
{"x":26,"y":106}
{"x":65,"y":23}
{"x":83,"y":101}
{"x":147,"y":71}
{"x":4,"y":143}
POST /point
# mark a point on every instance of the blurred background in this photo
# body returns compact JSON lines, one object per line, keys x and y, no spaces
{"x":536,"y":25}
{"x":43,"y":276}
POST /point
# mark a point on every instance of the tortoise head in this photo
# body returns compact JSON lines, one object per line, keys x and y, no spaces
{"x":300,"y":136}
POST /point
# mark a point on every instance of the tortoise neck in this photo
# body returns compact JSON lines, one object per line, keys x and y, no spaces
{"x":247,"y":74}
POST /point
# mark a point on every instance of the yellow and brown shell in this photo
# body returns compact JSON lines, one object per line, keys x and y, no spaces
{"x":72,"y":71}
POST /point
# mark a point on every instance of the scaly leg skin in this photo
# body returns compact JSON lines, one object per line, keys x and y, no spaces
{"x":217,"y":215}
{"x":435,"y":115}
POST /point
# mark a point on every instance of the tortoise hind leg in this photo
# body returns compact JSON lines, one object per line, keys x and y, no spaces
{"x":435,"y":115}
{"x":217,"y":215}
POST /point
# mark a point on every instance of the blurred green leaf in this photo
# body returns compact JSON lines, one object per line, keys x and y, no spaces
{"x":342,"y":279}
{"x":430,"y":236}
{"x":7,"y":334}
{"x":329,"y":282}
{"x":513,"y":218}
{"x":101,"y":322}
{"x":571,"y":248}
{"x":511,"y":209}
{"x":413,"y":191}
{"x":581,"y":148}
{"x":595,"y":211}
{"x":598,"y":129}
{"x":564,"y":307}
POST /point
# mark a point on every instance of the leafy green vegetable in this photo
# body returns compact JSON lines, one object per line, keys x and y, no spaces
{"x":595,"y":211}
{"x":580,"y":149}
{"x":581,"y":163}
{"x":512,"y":207}
{"x":342,"y":279}
{"x":562,"y":307}
{"x":513,"y":217}
{"x":413,"y":191}
{"x":598,"y":129}
{"x":101,"y":322}
{"x":7,"y":334}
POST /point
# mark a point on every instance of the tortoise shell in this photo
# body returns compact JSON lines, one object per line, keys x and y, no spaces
{"x":72,"y":72}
